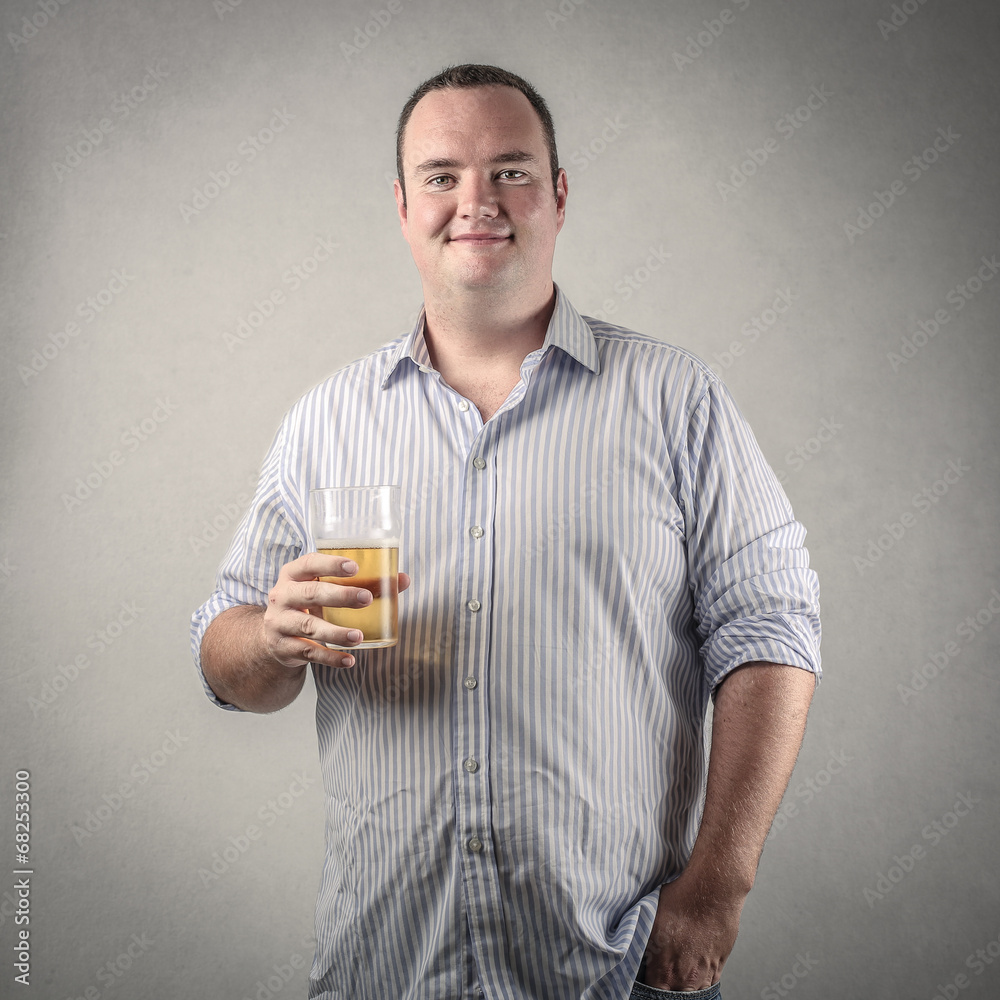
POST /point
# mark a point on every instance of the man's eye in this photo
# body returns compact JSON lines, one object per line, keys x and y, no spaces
{"x":512,"y":174}
{"x":439,"y":181}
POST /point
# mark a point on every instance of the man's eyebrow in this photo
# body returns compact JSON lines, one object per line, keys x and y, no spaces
{"x":511,"y":156}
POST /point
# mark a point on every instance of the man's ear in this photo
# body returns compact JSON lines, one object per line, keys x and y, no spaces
{"x":562,"y":191}
{"x":397,"y":190}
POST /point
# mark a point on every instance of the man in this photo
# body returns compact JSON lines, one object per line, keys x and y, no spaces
{"x":597,"y":547}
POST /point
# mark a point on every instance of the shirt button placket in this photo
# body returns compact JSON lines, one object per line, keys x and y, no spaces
{"x":472,"y":789}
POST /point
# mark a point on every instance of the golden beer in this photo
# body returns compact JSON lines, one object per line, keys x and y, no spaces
{"x":378,"y":573}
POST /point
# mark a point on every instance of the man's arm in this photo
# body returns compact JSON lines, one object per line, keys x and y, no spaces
{"x":255,"y":658}
{"x":239,"y":669}
{"x":757,"y":729}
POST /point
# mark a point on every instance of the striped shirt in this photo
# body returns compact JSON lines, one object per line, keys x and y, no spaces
{"x":507,"y":788}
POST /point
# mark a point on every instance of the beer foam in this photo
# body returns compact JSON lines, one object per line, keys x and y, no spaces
{"x":357,"y":543}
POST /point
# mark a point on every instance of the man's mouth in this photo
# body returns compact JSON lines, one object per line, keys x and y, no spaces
{"x":482,"y":239}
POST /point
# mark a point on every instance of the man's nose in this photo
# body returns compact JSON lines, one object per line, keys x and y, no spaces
{"x":479,"y":199}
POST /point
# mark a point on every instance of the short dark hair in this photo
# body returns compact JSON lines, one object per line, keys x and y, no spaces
{"x":467,"y":77}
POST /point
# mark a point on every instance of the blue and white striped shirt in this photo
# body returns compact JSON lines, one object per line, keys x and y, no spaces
{"x":507,"y":788}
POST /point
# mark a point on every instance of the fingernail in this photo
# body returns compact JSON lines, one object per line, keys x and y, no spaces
{"x":364,"y":597}
{"x":355,"y":636}
{"x":348,"y":661}
{"x":349,"y":567}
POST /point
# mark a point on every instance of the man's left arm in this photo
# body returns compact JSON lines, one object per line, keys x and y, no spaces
{"x":757,"y":729}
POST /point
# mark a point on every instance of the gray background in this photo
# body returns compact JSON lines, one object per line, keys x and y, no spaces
{"x":138,"y":784}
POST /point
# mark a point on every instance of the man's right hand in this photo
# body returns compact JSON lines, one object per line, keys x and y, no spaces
{"x":294,"y":627}
{"x":255,"y":658}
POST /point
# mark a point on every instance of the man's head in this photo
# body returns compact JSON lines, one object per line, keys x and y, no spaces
{"x":468,"y":76}
{"x":484,"y":197}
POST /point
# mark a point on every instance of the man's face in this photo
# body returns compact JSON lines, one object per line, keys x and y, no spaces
{"x":480,"y":211}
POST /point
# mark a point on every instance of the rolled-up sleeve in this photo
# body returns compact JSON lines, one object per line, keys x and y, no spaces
{"x":755,"y":597}
{"x":265,"y":540}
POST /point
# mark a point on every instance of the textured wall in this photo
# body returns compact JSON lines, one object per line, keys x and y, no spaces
{"x":805,"y":194}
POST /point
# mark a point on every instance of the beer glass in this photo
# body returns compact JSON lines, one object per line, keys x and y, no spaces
{"x":361,"y":523}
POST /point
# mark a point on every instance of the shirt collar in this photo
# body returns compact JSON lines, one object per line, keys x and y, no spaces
{"x":567,"y":330}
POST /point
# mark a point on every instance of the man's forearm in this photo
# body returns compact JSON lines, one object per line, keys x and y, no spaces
{"x":757,"y":729}
{"x":760,"y":716}
{"x":239,"y":668}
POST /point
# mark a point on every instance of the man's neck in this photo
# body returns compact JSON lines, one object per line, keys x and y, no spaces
{"x":485,"y":332}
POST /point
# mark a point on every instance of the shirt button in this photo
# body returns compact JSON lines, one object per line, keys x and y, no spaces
{"x":479,"y":463}
{"x":471,"y":765}
{"x":476,"y":531}
{"x":474,"y":844}
{"x":470,"y":682}
{"x":473,"y":605}
{"x":463,"y":405}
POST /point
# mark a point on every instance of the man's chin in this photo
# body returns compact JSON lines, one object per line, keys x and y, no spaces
{"x":486,"y":280}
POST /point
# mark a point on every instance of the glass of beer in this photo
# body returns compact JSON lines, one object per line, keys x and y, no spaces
{"x":362,"y":523}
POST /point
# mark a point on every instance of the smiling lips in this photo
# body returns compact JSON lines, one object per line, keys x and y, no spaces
{"x":481,"y":239}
